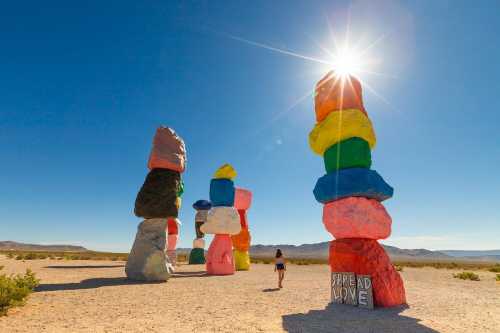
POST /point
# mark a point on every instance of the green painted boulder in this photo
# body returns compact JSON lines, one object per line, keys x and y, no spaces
{"x":197,"y":257}
{"x":351,"y":153}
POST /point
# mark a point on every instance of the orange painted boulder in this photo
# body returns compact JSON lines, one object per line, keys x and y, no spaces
{"x":367,"y":256}
{"x":241,"y":241}
{"x":357,"y":217}
{"x":219,"y":259}
{"x":168,"y":152}
{"x":335,"y":93}
{"x":242,"y":199}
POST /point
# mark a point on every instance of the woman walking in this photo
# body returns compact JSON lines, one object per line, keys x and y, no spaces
{"x":280,"y":266}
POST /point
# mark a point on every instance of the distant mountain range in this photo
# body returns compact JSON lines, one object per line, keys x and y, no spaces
{"x":306,"y":251}
{"x":15,"y":246}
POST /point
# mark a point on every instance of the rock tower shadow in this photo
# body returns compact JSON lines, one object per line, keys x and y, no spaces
{"x":339,"y":318}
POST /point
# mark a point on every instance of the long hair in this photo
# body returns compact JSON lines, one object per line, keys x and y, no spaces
{"x":278,"y":253}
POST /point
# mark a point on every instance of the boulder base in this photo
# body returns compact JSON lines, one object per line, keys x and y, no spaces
{"x":241,"y":260}
{"x":220,"y":259}
{"x":147,"y":260}
{"x":357,"y":217}
{"x":197,"y":256}
{"x":367,"y":257}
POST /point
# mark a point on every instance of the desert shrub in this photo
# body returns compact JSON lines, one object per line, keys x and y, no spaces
{"x":498,"y":277}
{"x":10,"y":255}
{"x":15,"y":288}
{"x":20,"y":257}
{"x":467,"y":276}
{"x":495,"y":269}
{"x":398,"y":268}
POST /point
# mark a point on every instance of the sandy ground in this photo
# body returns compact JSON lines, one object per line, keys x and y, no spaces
{"x":93,"y":296}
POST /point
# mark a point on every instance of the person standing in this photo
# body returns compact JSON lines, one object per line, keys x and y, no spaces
{"x":280,"y":267}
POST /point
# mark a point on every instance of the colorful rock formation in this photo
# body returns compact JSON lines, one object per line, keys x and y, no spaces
{"x":197,"y":255}
{"x":223,"y":221}
{"x":350,"y":191}
{"x":241,"y":241}
{"x":158,"y":201}
{"x":173,"y":237}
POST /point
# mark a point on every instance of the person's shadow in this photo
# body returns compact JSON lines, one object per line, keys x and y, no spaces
{"x":341,"y":318}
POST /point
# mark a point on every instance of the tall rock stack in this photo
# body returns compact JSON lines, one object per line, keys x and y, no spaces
{"x":157,"y":201}
{"x":222,"y":221}
{"x":350,"y":191}
{"x":197,"y":255}
{"x":241,"y":241}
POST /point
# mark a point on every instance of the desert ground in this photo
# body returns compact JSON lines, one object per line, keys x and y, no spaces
{"x":94,"y":296}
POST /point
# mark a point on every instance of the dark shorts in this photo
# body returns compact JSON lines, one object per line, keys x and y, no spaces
{"x":280,"y":266}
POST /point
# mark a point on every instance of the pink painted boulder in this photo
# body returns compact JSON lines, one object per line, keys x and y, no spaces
{"x":219,"y":258}
{"x":242,"y":199}
{"x":368,"y":257}
{"x":357,"y":217}
{"x":172,"y":242}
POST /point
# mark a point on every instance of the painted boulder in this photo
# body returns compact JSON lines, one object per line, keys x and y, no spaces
{"x":219,"y":260}
{"x":222,"y":220}
{"x":197,"y":256}
{"x":147,"y":260}
{"x":199,"y":243}
{"x":241,"y":241}
{"x":339,"y":126}
{"x":225,"y":172}
{"x":242,"y":199}
{"x":241,"y":260}
{"x":173,"y":226}
{"x":335,"y":93}
{"x":158,"y":195}
{"x":222,"y":192}
{"x":202,"y":205}
{"x":350,"y":153}
{"x":168,"y":152}
{"x":172,"y":242}
{"x":357,"y":217}
{"x":367,"y":257}
{"x":354,"y":182}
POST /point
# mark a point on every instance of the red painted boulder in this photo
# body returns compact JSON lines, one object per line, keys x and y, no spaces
{"x":168,"y":152}
{"x":242,"y":199}
{"x":219,"y":260}
{"x":357,"y":217}
{"x":367,"y":256}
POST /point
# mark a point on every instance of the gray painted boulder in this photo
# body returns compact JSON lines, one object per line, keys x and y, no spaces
{"x":147,"y":260}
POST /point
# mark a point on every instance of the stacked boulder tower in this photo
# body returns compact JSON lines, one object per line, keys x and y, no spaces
{"x":197,"y":254}
{"x":241,"y":241}
{"x":223,"y":221}
{"x":158,"y":202}
{"x":350,"y":191}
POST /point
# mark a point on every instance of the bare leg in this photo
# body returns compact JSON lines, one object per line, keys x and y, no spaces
{"x":281,"y":275}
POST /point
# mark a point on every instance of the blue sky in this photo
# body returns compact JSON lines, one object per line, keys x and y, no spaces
{"x":84,"y":85}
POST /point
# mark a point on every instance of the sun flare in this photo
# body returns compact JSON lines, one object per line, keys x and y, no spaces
{"x":346,"y":62}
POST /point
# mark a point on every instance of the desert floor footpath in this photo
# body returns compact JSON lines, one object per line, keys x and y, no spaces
{"x":94,"y":296}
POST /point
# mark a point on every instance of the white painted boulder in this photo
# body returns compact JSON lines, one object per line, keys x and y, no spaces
{"x":147,"y":260}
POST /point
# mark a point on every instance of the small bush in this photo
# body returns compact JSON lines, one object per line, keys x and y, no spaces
{"x":495,"y":269}
{"x":398,"y":268}
{"x":19,"y":257}
{"x":10,"y":255}
{"x":15,"y":288}
{"x":498,"y":277}
{"x":467,"y":276}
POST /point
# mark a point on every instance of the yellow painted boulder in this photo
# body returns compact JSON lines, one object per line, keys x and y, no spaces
{"x":338,"y":126}
{"x":225,"y":172}
{"x":241,"y":260}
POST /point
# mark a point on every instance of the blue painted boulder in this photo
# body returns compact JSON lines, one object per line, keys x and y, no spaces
{"x":202,"y":205}
{"x":353,"y":182}
{"x":222,"y":192}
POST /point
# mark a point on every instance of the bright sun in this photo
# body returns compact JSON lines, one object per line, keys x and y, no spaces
{"x":346,"y":62}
